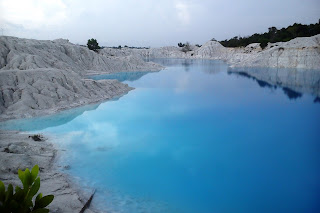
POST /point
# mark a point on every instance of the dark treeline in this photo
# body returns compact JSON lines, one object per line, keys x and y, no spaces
{"x":275,"y":35}
{"x":119,"y":47}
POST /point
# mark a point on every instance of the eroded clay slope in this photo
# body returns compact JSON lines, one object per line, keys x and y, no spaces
{"x":23,"y":54}
{"x":27,"y":93}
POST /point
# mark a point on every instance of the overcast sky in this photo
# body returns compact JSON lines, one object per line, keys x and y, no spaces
{"x":150,"y":22}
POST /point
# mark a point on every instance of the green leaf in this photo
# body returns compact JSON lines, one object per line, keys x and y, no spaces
{"x":2,"y":187}
{"x":42,"y":210}
{"x":28,"y":203}
{"x":34,"y":172}
{"x":19,"y":195}
{"x":35,"y":188}
{"x":43,"y":202}
{"x":9,"y":193}
{"x":27,"y":177}
{"x":21,"y":175}
{"x":39,"y":196}
{"x":2,"y":191}
{"x":17,"y":189}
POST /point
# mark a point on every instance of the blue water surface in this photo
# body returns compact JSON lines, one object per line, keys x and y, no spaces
{"x":193,"y":138}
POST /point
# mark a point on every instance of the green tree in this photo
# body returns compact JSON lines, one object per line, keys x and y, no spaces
{"x":180,"y":44}
{"x":274,"y":35}
{"x":186,"y":47}
{"x":93,"y":44}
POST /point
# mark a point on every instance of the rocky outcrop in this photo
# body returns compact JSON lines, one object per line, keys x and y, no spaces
{"x":19,"y":151}
{"x":298,"y":53}
{"x":28,"y":93}
{"x":23,"y":54}
{"x":301,"y":53}
{"x":161,"y":52}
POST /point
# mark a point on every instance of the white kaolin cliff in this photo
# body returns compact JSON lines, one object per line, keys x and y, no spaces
{"x":298,"y":53}
{"x":23,"y":54}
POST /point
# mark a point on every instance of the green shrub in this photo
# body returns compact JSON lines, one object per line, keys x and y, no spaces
{"x":93,"y":44}
{"x":20,"y":201}
{"x":186,"y":47}
{"x":263,"y":43}
{"x":180,"y":44}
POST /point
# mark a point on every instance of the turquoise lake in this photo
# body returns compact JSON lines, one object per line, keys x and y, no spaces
{"x":195,"y":137}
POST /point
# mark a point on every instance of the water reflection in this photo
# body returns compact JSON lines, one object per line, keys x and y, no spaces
{"x":121,"y":76}
{"x":207,"y":66}
{"x":40,"y":123}
{"x":186,"y":64}
{"x":260,"y":82}
{"x":292,"y":95}
{"x":294,"y":82}
{"x":265,"y":84}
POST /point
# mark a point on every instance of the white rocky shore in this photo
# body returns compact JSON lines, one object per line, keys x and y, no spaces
{"x":297,"y":53}
{"x":41,"y":91}
{"x":19,"y":151}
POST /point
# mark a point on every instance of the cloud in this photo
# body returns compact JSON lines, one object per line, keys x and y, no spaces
{"x":149,"y":22}
{"x":8,"y":29}
{"x":183,"y":12}
{"x":32,"y":14}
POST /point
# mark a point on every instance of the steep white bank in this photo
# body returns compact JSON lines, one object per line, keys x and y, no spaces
{"x":297,"y":53}
{"x":34,"y":92}
{"x":23,"y":54}
{"x":161,"y":52}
